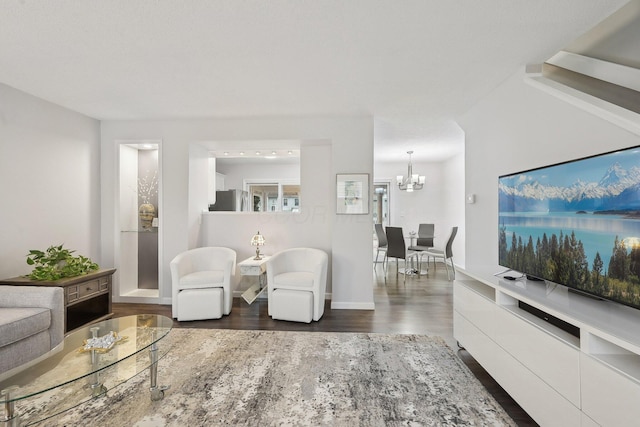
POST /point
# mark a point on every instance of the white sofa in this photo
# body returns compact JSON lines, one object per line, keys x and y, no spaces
{"x":31,"y":323}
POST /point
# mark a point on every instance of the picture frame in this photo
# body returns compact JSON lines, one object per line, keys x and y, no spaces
{"x":352,"y":193}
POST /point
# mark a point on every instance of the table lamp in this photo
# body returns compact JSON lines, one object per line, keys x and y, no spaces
{"x":257,"y":240}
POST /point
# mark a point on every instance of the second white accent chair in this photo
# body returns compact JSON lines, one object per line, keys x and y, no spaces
{"x":297,"y":283}
{"x":201,"y":283}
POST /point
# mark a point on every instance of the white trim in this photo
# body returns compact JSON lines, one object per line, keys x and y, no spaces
{"x":619,"y":116}
{"x":336,"y":305}
{"x":611,"y":72}
{"x":143,"y":295}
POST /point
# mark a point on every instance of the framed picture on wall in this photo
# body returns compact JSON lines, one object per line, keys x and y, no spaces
{"x":352,"y":193}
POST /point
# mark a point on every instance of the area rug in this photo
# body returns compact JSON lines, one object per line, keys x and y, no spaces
{"x":266,"y":378}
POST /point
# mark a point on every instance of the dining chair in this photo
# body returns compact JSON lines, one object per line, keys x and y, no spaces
{"x":397,"y":249}
{"x":423,"y":243}
{"x":446,"y":254}
{"x":382,"y":244}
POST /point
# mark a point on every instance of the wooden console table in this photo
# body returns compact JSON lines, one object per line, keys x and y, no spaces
{"x":87,"y":298}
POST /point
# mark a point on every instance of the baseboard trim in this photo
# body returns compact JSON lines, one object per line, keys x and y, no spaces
{"x":337,"y":305}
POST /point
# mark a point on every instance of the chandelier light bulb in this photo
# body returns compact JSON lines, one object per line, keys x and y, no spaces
{"x":412,"y":181}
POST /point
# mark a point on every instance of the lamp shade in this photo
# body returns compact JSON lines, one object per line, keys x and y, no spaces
{"x":257,"y":240}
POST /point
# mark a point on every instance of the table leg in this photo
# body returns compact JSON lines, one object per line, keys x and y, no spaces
{"x":97,"y":388}
{"x":157,"y":392}
{"x":10,"y":417}
{"x":411,"y":270}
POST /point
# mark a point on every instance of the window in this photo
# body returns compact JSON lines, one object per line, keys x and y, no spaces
{"x":266,"y":196}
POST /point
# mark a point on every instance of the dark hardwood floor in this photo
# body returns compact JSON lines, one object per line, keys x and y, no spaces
{"x":424,"y":305}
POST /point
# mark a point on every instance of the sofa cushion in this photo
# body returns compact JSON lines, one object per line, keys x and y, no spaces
{"x":23,"y":351}
{"x":300,"y":279}
{"x":202,"y":279}
{"x":21,"y":322}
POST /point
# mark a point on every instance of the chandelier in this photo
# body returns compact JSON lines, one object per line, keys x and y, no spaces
{"x":411,"y":181}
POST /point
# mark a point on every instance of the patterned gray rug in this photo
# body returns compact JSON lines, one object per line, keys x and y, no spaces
{"x":265,"y":378}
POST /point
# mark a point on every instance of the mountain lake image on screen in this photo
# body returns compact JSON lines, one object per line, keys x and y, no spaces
{"x":576,"y":224}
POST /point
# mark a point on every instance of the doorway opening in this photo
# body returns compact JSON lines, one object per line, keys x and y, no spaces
{"x":381,"y":203}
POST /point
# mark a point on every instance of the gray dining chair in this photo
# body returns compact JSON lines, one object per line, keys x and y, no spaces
{"x":423,"y":243}
{"x":397,"y":249}
{"x":445,"y":254}
{"x":382,"y":244}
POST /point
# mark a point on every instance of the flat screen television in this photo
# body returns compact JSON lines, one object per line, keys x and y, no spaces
{"x":576,"y":224}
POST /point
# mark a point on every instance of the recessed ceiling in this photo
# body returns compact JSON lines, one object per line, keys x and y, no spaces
{"x":414,"y":66}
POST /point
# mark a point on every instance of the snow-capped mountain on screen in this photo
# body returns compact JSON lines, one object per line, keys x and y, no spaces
{"x":618,"y":189}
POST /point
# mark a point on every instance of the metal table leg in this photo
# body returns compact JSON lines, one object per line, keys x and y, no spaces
{"x":97,"y":388}
{"x":10,"y":417}
{"x":157,"y":392}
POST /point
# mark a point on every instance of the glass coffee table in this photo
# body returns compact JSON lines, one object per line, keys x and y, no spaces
{"x":90,"y":361}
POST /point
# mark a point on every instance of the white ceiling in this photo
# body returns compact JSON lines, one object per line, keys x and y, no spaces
{"x":414,"y":65}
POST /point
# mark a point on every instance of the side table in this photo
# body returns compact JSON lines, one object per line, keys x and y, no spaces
{"x":254,"y":267}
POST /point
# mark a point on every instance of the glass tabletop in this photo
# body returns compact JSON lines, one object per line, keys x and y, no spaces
{"x":73,"y":359}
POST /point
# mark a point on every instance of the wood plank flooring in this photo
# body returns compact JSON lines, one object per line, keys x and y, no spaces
{"x":424,"y":305}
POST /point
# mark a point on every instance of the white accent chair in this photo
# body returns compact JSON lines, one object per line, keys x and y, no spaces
{"x":296,"y":284}
{"x":201,"y":283}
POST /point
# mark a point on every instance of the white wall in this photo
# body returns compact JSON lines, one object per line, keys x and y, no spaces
{"x":453,"y":201}
{"x":49,"y":180}
{"x":519,"y":127}
{"x":351,"y":152}
{"x":311,"y":227}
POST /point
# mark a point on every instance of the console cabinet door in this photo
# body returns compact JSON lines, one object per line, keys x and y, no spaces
{"x":476,"y":308}
{"x":553,"y":360}
{"x":545,"y":405}
{"x":609,"y":397}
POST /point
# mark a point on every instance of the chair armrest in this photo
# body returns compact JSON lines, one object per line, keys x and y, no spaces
{"x":38,"y":296}
{"x":230,"y":271}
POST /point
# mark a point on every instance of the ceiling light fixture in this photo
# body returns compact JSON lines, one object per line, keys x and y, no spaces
{"x":412,"y":181}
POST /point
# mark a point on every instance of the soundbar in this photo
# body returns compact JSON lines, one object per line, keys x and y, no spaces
{"x":567,"y":327}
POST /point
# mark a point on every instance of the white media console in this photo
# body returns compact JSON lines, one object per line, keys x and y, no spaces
{"x":560,"y":379}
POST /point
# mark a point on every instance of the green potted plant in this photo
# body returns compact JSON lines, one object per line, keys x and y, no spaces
{"x":58,"y":263}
